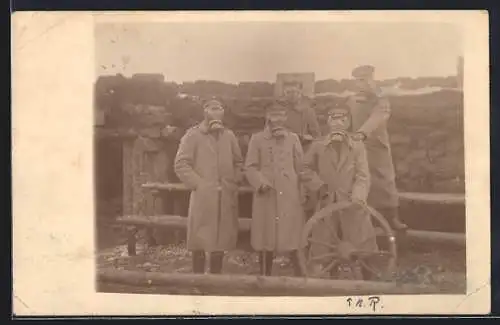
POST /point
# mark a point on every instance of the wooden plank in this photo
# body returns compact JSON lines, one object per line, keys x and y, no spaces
{"x":168,"y":221}
{"x":424,"y":198}
{"x":436,"y":237}
{"x":181,"y":187}
{"x":433,"y":198}
{"x":104,"y":133}
{"x":247,"y":283}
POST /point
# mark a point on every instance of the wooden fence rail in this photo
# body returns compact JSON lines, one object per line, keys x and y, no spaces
{"x":422,"y":198}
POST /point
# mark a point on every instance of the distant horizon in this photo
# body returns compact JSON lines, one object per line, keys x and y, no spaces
{"x":271,"y":82}
{"x":257,"y":51}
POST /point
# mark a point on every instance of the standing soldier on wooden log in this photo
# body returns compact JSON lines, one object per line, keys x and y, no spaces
{"x":209,"y":162}
{"x":301,"y":118}
{"x":336,"y":170}
{"x":370,"y":113}
{"x":273,"y":165}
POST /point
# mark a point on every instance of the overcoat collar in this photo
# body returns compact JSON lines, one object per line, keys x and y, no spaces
{"x":341,"y":157}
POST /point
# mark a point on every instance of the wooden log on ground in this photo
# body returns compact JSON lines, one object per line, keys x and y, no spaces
{"x":245,"y":283}
{"x":171,"y":221}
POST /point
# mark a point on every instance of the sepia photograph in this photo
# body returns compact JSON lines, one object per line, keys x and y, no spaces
{"x":240,"y":158}
{"x":251,"y":162}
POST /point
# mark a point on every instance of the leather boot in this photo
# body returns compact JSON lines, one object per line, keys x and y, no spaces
{"x":297,"y":270}
{"x":216,"y":259}
{"x":199,"y":262}
{"x":392,"y":216}
{"x":266,"y":263}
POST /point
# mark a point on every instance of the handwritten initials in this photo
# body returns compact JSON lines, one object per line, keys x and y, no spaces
{"x":373,"y":302}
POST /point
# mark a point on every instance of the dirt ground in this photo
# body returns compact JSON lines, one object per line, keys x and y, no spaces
{"x":441,"y":267}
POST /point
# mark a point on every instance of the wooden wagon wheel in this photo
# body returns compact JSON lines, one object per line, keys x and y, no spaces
{"x":340,"y":252}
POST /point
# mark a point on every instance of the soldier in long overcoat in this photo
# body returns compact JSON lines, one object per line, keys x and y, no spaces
{"x":209,"y":163}
{"x":301,"y":117}
{"x":273,"y":165}
{"x":336,"y":168}
{"x":370,"y":113}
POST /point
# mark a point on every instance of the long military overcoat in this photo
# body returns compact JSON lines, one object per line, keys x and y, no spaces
{"x":277,"y":216}
{"x":211,"y":167}
{"x":345,"y":171}
{"x":370,"y":113}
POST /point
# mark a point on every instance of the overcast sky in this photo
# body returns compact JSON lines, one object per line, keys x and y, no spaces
{"x":256,"y":51}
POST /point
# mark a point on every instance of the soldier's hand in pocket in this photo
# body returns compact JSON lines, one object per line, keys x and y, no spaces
{"x":264,"y":188}
{"x":359,"y":136}
{"x":358,"y":200}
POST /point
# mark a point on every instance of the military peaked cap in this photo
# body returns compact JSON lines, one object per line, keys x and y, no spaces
{"x":363,"y":71}
{"x":338,"y":111}
{"x":212,"y":103}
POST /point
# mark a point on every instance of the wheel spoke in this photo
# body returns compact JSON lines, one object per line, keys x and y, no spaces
{"x":369,"y":268}
{"x":331,"y":265}
{"x":314,"y":241}
{"x":323,"y":272}
{"x":366,"y":254}
{"x":322,"y":256}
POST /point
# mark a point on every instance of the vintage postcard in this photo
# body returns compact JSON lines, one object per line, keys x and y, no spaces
{"x":232,"y":163}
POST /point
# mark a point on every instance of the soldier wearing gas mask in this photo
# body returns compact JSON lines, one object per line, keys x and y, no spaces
{"x":336,"y":169}
{"x":209,"y":163}
{"x":370,"y":113}
{"x":273,"y":166}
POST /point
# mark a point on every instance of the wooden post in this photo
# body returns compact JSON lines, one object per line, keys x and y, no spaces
{"x":152,"y":149}
{"x":178,"y":201}
{"x":144,"y":151}
{"x":128,"y":176}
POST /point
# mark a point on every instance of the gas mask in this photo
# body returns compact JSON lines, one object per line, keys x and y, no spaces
{"x":338,"y":123}
{"x":276,"y":122}
{"x":214,"y":113}
{"x":215,"y":125}
{"x":337,"y":136}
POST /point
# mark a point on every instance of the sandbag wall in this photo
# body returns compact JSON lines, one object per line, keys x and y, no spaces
{"x":426,"y":134}
{"x":426,"y":131}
